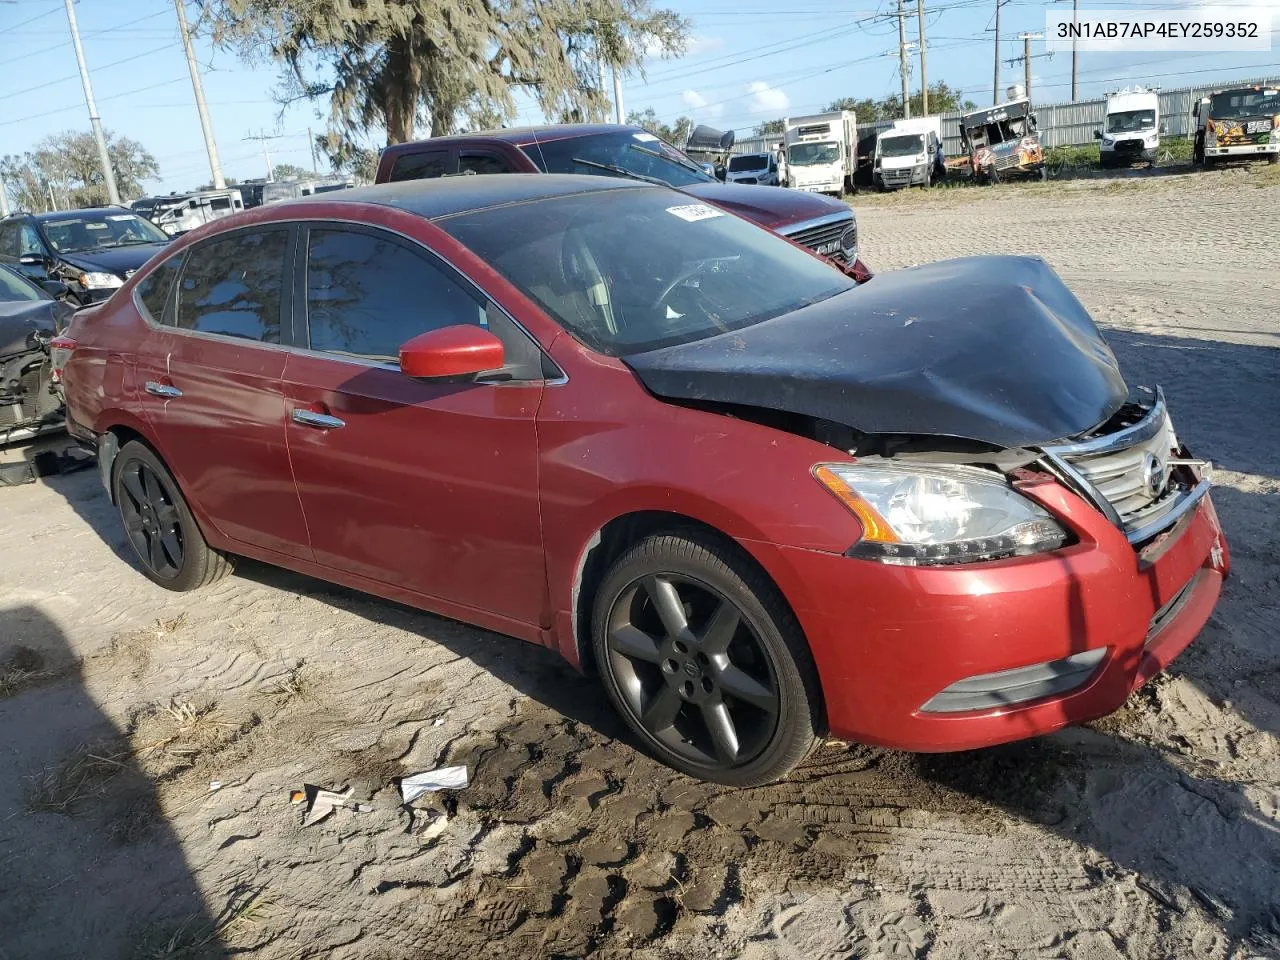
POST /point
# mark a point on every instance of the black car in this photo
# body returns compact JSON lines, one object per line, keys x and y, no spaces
{"x":92,"y":251}
{"x":29,"y":318}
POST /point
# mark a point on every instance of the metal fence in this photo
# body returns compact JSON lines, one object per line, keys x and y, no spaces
{"x":1060,"y":124}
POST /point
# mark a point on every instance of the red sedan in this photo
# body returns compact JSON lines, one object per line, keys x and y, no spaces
{"x":761,"y":502}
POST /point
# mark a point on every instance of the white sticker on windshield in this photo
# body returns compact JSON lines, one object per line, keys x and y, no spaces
{"x":693,"y":212}
{"x":644,"y":137}
{"x":122,"y":216}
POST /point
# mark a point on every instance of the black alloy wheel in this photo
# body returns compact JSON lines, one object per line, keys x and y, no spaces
{"x":705,"y":662}
{"x":158,"y":523}
{"x":151,"y":519}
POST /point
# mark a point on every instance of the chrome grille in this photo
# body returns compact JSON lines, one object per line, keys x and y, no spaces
{"x":900,"y":177}
{"x":817,"y":234}
{"x":1127,"y":473}
{"x":1005,"y":163}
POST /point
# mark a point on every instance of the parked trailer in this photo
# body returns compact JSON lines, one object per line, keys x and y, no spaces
{"x":177,"y":213}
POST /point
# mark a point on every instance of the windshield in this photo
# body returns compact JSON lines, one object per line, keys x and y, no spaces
{"x":636,"y":152}
{"x":1131,"y":121}
{"x":903,"y":146}
{"x":15,"y":288}
{"x":810,"y":154}
{"x":631,"y":270}
{"x":751,"y":161}
{"x":87,"y":232}
{"x":1244,"y":103}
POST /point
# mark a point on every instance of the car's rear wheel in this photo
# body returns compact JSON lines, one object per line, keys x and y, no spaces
{"x":705,"y":661}
{"x":159,"y":524}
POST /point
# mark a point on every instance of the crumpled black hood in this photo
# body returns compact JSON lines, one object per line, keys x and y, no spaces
{"x":117,"y":260}
{"x":993,"y":349}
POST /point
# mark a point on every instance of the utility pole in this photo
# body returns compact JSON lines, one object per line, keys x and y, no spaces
{"x":1075,"y":54}
{"x":924,"y":73}
{"x":108,"y":175}
{"x":995,"y":81}
{"x":902,"y":61}
{"x":618,"y":112}
{"x":4,"y":198}
{"x":262,"y":138}
{"x":215,"y":167}
{"x":1027,"y":56}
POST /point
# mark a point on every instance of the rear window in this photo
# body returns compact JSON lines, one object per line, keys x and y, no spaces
{"x":420,"y":166}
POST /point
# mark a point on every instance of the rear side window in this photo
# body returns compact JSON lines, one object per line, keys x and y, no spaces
{"x":153,"y":290}
{"x":367,"y":295}
{"x":420,"y":166}
{"x":483,"y":163}
{"x":232,"y":285}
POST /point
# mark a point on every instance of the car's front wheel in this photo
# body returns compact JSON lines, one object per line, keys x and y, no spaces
{"x":705,"y":661}
{"x":159,"y":525}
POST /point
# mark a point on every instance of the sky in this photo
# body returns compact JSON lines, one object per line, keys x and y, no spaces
{"x":748,"y":61}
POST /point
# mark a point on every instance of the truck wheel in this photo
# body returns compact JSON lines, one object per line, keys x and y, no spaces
{"x":1273,"y":158}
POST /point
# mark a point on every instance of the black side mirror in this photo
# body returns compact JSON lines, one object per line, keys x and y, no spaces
{"x":55,"y":288}
{"x":31,"y":260}
{"x":1097,"y":134}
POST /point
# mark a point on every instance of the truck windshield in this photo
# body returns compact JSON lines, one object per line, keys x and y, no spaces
{"x":77,"y":234}
{"x":638,"y":268}
{"x":907,"y":145}
{"x":635,"y":151}
{"x":1244,"y":103}
{"x":751,"y":161}
{"x":1130,"y":121}
{"x":812,"y":154}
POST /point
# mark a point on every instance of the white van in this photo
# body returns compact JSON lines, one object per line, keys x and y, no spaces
{"x":1131,"y":129}
{"x":909,"y":153}
{"x":754,"y":168}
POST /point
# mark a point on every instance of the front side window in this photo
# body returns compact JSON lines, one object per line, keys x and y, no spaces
{"x":232,"y":285}
{"x":154,"y":289}
{"x":631,"y":270}
{"x":367,"y":295}
{"x":420,"y":166}
{"x":13,"y":287}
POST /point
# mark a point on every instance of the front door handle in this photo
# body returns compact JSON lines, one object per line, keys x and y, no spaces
{"x":167,"y":390}
{"x":321,"y":421}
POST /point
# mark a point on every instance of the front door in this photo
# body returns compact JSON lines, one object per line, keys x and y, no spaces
{"x":431,"y":486}
{"x":211,"y":384}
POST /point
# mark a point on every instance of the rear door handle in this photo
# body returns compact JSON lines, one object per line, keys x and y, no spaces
{"x":162,"y":389}
{"x":321,"y":421}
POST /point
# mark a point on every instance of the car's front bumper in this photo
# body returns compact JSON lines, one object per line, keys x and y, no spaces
{"x":889,"y":639}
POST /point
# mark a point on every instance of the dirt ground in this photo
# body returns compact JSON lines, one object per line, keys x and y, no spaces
{"x":1153,"y":834}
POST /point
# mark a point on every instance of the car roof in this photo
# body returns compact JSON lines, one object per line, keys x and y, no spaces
{"x":520,"y":136}
{"x":445,"y":196}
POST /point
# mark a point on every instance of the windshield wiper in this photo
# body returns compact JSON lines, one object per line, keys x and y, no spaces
{"x":621,"y":171}
{"x":687,"y":164}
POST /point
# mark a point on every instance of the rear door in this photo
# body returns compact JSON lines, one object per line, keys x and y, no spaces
{"x":211,"y":378}
{"x":431,"y":486}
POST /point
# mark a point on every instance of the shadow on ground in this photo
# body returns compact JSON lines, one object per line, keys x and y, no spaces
{"x":80,"y":824}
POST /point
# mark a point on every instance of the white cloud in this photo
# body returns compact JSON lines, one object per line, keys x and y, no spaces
{"x":698,"y":105}
{"x":698,"y":44}
{"x":767,"y":99}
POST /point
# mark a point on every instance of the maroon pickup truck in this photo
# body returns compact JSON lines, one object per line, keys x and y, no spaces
{"x":823,"y":224}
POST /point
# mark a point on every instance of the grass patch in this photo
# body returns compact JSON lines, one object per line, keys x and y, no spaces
{"x":172,"y":740}
{"x":135,"y":648}
{"x":296,"y":684}
{"x":82,"y":776}
{"x":200,"y":940}
{"x":23,"y":669}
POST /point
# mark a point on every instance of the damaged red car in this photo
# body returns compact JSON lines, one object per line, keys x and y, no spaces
{"x":762,"y":503}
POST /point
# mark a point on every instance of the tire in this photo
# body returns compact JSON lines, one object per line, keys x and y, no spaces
{"x":1273,"y":158}
{"x":690,"y":678}
{"x":159,"y":525}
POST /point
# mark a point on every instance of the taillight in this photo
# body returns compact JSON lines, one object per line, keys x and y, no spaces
{"x":60,"y":350}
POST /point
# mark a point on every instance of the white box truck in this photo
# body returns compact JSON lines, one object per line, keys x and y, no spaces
{"x":1130,"y":128}
{"x":909,"y":153}
{"x":822,"y":152}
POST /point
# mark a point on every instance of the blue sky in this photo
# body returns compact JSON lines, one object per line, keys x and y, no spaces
{"x":749,"y":60}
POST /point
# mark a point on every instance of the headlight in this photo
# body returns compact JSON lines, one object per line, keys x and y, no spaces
{"x":1107,"y":141}
{"x":915,"y":515}
{"x":100,"y":281}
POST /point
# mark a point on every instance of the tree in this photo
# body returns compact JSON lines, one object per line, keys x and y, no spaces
{"x":290,"y":171}
{"x":942,"y":99}
{"x":398,"y":64}
{"x":677,"y":134}
{"x":770,"y":128}
{"x":67,"y":164}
